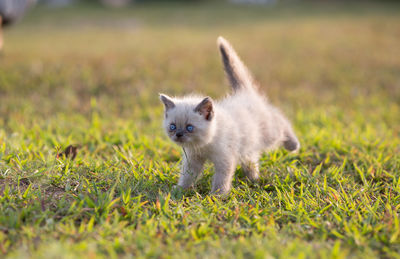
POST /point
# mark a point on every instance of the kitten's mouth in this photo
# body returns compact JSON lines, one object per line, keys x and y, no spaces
{"x":180,"y":140}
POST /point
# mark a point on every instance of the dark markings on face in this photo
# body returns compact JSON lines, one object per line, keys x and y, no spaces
{"x":180,"y":133}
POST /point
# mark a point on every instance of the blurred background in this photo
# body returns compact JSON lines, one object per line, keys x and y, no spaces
{"x":64,"y":59}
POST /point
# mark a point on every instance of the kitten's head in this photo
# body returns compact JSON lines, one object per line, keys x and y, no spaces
{"x":189,"y":121}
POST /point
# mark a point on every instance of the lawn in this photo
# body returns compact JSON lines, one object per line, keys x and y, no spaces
{"x":90,"y":77}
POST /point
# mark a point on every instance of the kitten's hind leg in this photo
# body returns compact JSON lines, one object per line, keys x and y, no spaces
{"x":291,"y":143}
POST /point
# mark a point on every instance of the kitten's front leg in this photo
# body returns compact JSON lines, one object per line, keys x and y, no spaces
{"x":224,"y":171}
{"x":192,"y":166}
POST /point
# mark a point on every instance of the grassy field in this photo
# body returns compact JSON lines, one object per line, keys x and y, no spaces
{"x":89,"y":76}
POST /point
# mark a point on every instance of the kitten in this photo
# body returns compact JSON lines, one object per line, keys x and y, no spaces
{"x":235,"y":130}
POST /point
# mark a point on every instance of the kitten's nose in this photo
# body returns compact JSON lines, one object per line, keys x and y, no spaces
{"x":179,"y":134}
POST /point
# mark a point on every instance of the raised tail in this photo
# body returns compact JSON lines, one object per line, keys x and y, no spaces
{"x":237,"y":73}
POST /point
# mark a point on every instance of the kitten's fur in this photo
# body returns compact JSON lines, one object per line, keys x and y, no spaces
{"x":235,"y":130}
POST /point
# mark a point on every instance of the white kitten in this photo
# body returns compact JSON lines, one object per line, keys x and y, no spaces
{"x":235,"y":130}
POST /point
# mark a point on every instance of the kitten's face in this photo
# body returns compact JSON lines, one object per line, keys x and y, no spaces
{"x":188,"y":121}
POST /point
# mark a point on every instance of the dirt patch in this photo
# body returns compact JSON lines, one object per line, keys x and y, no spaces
{"x":50,"y":195}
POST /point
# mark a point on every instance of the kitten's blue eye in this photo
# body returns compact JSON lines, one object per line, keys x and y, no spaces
{"x":189,"y":128}
{"x":172,"y":127}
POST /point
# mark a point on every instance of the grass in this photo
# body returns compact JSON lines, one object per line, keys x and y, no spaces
{"x":89,"y":76}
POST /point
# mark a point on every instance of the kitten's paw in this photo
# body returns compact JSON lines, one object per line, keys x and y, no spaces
{"x":251,"y":171}
{"x":253,"y":177}
{"x":220,"y":191}
{"x":220,"y":195}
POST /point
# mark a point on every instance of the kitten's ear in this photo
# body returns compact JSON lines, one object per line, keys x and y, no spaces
{"x":205,"y":108}
{"x":168,"y":103}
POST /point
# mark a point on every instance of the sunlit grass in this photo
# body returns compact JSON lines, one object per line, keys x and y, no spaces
{"x":89,"y":76}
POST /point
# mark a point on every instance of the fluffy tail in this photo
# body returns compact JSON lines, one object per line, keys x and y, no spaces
{"x":237,"y":73}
